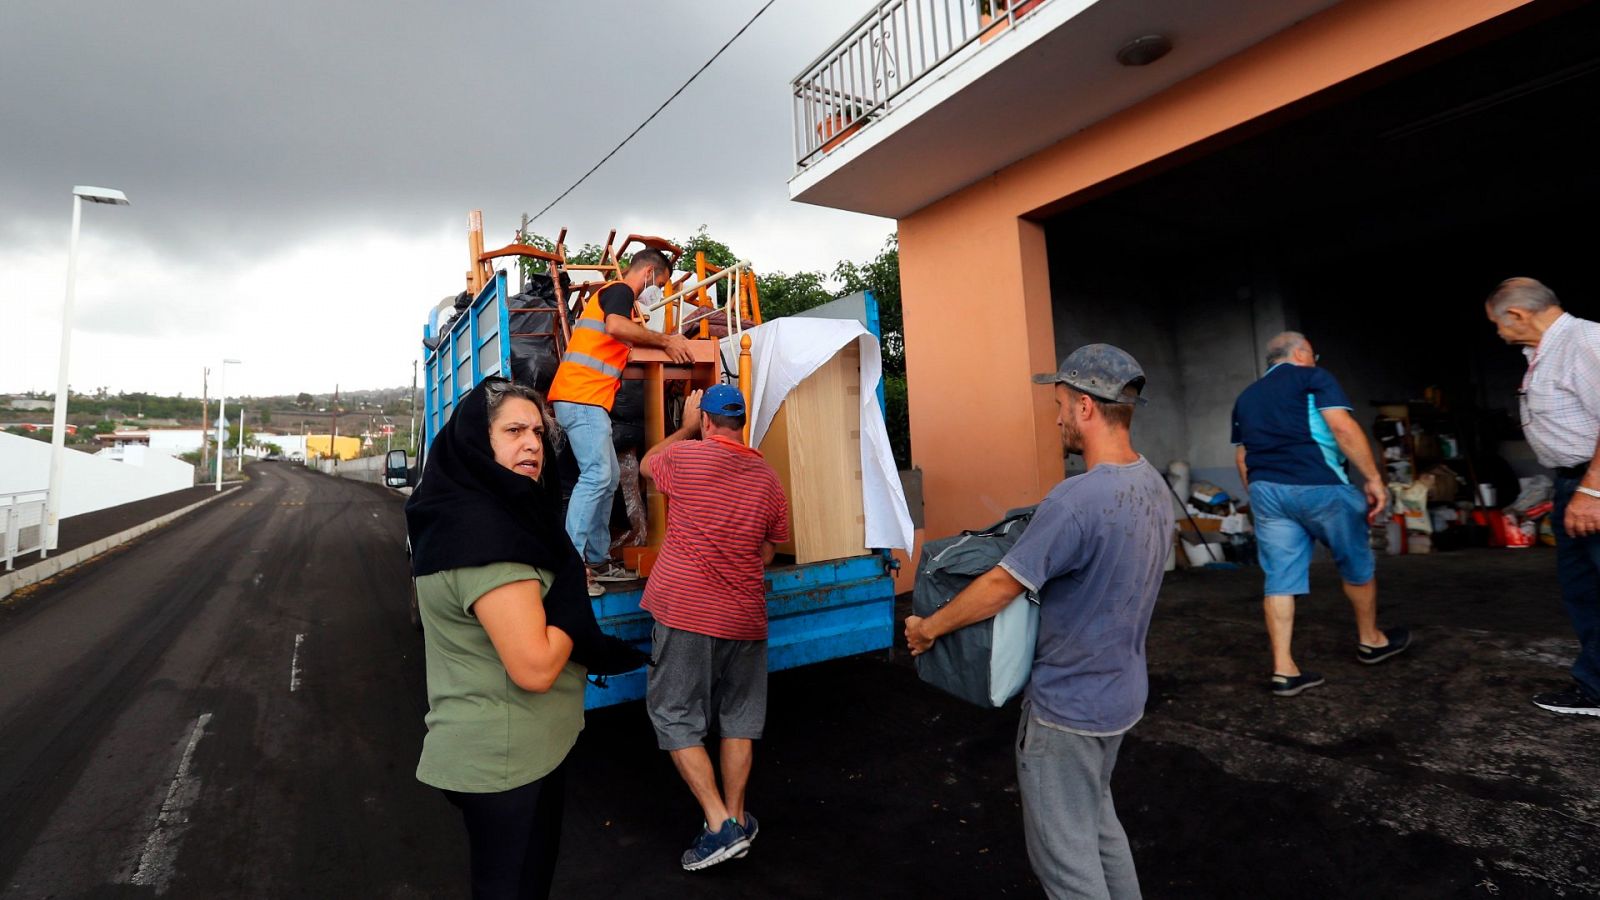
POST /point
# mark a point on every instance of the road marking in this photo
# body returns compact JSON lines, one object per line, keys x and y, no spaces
{"x":161,"y":847}
{"x":294,"y":664}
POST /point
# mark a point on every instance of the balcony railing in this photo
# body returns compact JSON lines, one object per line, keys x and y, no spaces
{"x":858,"y":79}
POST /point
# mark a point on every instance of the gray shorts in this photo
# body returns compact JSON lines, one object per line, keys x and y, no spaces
{"x":698,"y":680}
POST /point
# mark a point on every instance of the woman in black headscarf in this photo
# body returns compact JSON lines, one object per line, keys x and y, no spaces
{"x":509,"y":633}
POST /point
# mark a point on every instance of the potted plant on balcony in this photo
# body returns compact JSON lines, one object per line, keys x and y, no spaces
{"x":839,"y":124}
{"x":992,"y":18}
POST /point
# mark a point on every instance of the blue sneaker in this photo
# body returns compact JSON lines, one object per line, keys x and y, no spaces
{"x":711,"y":848}
{"x":751,"y":829}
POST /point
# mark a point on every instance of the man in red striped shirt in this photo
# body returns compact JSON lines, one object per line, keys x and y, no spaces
{"x":726,"y":514}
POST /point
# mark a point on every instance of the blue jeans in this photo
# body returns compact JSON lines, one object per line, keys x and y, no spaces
{"x":1578,"y":568}
{"x":1290,"y":517}
{"x":589,"y":510}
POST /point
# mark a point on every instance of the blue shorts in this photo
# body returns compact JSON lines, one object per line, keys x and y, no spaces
{"x":1289,"y":517}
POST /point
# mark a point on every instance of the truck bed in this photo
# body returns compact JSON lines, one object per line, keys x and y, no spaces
{"x":817,"y":611}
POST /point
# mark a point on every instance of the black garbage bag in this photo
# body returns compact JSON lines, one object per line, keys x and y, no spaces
{"x":533,"y":317}
{"x":628,"y":407}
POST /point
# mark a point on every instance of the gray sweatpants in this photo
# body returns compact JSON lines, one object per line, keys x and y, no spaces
{"x":1076,"y":844}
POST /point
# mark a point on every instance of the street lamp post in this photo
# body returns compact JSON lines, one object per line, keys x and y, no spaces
{"x":222,"y":414}
{"x":58,"y":429}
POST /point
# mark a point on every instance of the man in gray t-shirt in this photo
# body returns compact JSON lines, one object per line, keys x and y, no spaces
{"x":1093,"y":554}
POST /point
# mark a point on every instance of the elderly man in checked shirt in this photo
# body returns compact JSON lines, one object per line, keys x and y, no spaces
{"x":1560,"y":401}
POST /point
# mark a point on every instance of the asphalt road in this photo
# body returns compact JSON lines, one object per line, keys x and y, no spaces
{"x":227,"y":707}
{"x":232,"y":706}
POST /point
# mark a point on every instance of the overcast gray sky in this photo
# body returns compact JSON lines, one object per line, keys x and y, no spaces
{"x":301,"y":171}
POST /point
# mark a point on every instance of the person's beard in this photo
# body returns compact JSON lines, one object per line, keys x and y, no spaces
{"x":1071,"y":437}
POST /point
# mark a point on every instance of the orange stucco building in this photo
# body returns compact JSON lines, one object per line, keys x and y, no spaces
{"x":1049,"y":194}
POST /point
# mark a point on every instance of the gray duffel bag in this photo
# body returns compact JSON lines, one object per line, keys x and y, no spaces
{"x":988,"y":662}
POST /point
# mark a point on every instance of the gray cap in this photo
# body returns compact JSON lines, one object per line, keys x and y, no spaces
{"x":1102,"y":371}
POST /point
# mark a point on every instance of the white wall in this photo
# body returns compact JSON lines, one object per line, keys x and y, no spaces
{"x":89,"y":482}
{"x":290,"y":444}
{"x":173,"y":441}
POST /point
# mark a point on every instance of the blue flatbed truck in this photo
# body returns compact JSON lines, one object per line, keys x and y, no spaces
{"x":816,"y":611}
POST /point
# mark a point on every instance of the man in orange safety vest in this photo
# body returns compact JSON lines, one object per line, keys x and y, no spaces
{"x":584,"y":388}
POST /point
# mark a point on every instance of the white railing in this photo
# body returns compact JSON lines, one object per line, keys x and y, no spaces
{"x":890,"y":49}
{"x":21,"y":524}
{"x":734,"y":308}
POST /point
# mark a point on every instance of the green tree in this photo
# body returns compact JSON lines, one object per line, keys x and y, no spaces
{"x":233,"y":434}
{"x":717,"y":253}
{"x":783,"y":294}
{"x":304,"y":400}
{"x":897,"y":418}
{"x":881,"y":276}
{"x":264,"y":416}
{"x":586,"y":255}
{"x":531,"y":267}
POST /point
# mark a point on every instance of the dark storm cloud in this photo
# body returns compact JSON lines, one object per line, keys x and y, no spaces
{"x":239,"y":128}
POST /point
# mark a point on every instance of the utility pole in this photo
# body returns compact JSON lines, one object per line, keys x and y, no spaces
{"x":240,"y":451}
{"x":205,"y":421}
{"x":333,"y":442}
{"x":413,"y":435}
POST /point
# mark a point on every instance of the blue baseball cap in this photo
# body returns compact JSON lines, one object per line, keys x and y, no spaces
{"x":723,"y":400}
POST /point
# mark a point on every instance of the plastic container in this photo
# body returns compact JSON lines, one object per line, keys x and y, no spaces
{"x":1203,"y":554}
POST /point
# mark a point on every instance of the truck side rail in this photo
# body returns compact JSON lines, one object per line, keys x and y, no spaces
{"x":460,"y":353}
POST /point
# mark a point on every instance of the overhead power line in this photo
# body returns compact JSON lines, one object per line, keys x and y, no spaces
{"x":647,"y":121}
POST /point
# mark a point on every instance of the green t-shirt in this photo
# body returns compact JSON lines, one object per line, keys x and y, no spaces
{"x":485,"y":734}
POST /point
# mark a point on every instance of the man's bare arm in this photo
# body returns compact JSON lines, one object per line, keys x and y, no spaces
{"x":689,"y":430}
{"x":982,"y":599}
{"x":625,"y":329}
{"x":1583,"y":511}
{"x":1352,"y":439}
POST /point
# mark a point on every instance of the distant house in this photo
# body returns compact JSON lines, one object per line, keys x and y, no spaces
{"x":30,"y":404}
{"x":165,"y":441}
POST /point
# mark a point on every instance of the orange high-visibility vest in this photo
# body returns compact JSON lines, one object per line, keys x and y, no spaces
{"x":591,"y":369}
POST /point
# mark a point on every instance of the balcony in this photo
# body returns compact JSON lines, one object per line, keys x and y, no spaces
{"x":924,"y":97}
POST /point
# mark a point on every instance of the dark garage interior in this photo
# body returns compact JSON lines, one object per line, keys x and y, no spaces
{"x":1375,"y":220}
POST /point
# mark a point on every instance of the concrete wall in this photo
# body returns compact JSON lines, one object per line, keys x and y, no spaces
{"x":1195,"y":327}
{"x":979,"y":316}
{"x":1098,"y":303}
{"x":89,"y":482}
{"x":173,"y":441}
{"x":293,"y":445}
{"x":368,"y":468}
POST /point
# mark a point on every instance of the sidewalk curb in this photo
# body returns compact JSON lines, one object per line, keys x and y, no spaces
{"x":21,"y":578}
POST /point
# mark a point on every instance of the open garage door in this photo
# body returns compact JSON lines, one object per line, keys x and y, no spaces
{"x":1376,"y":223}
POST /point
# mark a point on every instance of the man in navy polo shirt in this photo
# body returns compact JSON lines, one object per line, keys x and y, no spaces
{"x":1295,"y":433}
